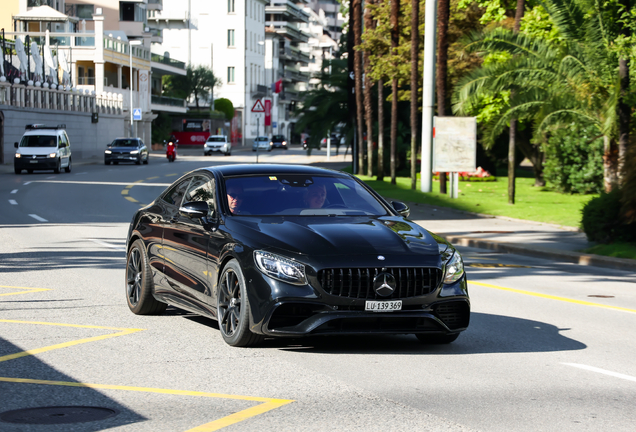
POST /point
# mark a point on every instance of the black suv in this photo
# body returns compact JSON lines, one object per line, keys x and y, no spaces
{"x":279,"y":141}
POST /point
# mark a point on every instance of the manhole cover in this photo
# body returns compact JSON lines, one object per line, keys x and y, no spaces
{"x":57,"y":415}
{"x":601,"y":296}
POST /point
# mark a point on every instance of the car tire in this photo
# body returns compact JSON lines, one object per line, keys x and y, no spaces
{"x":138,"y":161}
{"x":115,"y":163}
{"x":106,"y":162}
{"x":437,"y":339}
{"x":58,"y":167}
{"x":228,"y":153}
{"x":17,"y":170}
{"x":233,"y":307}
{"x":146,"y":160}
{"x":30,"y":171}
{"x":139,"y":285}
{"x":68,"y":168}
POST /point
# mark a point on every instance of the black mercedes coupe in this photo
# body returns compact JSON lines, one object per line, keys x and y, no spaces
{"x":289,"y":251}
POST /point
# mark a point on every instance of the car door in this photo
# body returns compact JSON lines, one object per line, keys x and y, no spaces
{"x":185,"y":245}
{"x":167,"y":254}
{"x":65,"y":149}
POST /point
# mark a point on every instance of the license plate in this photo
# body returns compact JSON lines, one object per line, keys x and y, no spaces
{"x":33,"y":161}
{"x":383,"y":306}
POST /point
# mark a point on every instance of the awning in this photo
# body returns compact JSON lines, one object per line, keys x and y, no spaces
{"x":44,"y":13}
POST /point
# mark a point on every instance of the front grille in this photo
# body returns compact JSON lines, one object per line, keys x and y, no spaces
{"x":37,"y":157}
{"x":358,"y":282}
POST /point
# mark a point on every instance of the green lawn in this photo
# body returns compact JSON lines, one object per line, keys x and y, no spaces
{"x":532,"y":203}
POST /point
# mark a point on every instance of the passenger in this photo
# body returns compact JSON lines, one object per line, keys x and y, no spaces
{"x":235,"y":199}
{"x":315,"y":196}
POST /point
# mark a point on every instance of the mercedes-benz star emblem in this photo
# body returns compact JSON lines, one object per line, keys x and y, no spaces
{"x":384,"y":284}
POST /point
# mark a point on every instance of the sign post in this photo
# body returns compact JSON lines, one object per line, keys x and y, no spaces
{"x":258,"y":109}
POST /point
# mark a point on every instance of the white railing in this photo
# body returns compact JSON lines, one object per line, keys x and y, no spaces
{"x":58,"y":99}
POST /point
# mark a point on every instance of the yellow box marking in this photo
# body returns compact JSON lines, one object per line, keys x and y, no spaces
{"x":551,"y":297}
{"x":120,"y":332}
{"x":25,"y":290}
{"x":267,"y":404}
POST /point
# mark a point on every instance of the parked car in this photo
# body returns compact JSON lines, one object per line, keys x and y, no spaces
{"x":126,"y":150}
{"x":279,"y":141}
{"x":43,"y":148}
{"x":334,"y":141}
{"x":289,"y":251}
{"x":217,"y":143}
{"x":262,"y":143}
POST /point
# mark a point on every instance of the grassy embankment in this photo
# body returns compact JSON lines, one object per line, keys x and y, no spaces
{"x":532,"y":203}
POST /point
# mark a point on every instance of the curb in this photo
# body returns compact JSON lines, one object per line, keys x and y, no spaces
{"x":545,"y":253}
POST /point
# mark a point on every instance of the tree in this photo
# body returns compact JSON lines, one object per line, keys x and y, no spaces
{"x":368,"y":83}
{"x":395,"y":41}
{"x":201,"y":82}
{"x":356,"y":19}
{"x":225,"y":106}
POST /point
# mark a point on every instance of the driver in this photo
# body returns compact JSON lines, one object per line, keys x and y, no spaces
{"x":315,"y":196}
{"x":235,"y":199}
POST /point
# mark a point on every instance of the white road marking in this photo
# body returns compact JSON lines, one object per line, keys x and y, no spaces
{"x":27,"y":183}
{"x":602,"y":371}
{"x":52,"y":177}
{"x":104,"y":183}
{"x":108,"y":245}
{"x":13,"y":202}
{"x":36,"y":217}
{"x":14,"y":191}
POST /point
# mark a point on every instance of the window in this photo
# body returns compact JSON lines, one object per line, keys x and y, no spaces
{"x":201,"y":189}
{"x":230,"y":38}
{"x":230,"y":74}
{"x":230,"y":6}
{"x":84,"y":11}
{"x":129,"y":11}
{"x":175,"y":194}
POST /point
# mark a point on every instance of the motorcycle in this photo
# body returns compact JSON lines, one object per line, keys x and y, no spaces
{"x":171,"y":150}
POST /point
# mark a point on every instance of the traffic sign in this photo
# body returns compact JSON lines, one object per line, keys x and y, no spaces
{"x":258,"y":107}
{"x":137,"y":114}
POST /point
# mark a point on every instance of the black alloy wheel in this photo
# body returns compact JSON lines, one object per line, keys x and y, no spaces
{"x":139,"y":283}
{"x":233,"y":306}
{"x":437,"y":339}
{"x":68,"y":168}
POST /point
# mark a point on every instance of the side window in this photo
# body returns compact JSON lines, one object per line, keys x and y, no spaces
{"x":201,"y":189}
{"x":174,"y":195}
{"x":64,"y":139}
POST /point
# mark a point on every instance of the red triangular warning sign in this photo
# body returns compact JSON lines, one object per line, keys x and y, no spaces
{"x":258,"y":107}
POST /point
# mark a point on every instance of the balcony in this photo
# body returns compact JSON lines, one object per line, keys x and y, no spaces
{"x":154,"y":5}
{"x":287,"y":10}
{"x":167,"y":65}
{"x":259,"y":90}
{"x":289,"y":30}
{"x":168,"y":104}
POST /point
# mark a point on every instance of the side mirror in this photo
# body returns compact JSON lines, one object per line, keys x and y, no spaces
{"x":15,"y":145}
{"x":401,"y":208}
{"x":198,"y":210}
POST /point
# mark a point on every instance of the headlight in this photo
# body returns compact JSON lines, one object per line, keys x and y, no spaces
{"x":107,"y":151}
{"x":271,"y":143}
{"x":52,"y":155}
{"x":454,"y":268}
{"x":18,"y":155}
{"x":281,"y":268}
{"x":134,"y":152}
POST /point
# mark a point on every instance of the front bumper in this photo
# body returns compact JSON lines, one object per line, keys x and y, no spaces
{"x":280,"y":309}
{"x":27,"y":162}
{"x":221,"y":149}
{"x":121,"y":158}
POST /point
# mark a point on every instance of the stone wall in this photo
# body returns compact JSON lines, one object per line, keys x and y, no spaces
{"x":88,"y":140}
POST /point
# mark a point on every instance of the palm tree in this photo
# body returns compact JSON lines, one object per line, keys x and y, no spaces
{"x":556,"y":82}
{"x":395,"y":41}
{"x":368,"y":83}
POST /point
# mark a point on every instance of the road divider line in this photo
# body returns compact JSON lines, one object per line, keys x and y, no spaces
{"x":241,"y":415}
{"x":38,"y":218}
{"x":135,"y":183}
{"x":14,"y":191}
{"x":551,"y":297}
{"x":13,"y":202}
{"x":601,"y":371}
{"x":26,"y":290}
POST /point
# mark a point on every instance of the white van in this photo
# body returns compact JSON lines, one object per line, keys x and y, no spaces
{"x":43,"y":148}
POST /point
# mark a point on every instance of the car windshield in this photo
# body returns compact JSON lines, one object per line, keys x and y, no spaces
{"x":303,"y":195}
{"x":278,"y":138}
{"x":124,"y":143}
{"x":262,"y":138}
{"x":216,"y":139}
{"x":39,"y":141}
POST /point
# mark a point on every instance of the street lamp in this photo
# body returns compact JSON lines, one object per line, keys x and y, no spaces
{"x":130,"y":45}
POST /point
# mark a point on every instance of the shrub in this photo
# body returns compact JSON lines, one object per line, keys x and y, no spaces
{"x":601,"y":220}
{"x":574,"y":160}
{"x":225,"y":106}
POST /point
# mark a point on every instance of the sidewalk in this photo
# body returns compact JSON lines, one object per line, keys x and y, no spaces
{"x":516,"y":236}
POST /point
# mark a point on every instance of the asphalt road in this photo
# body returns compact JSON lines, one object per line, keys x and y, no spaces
{"x":550,"y":346}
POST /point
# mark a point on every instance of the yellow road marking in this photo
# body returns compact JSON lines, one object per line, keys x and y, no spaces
{"x":152,"y":178}
{"x":267,"y":404}
{"x":493,"y":265}
{"x":551,"y":297}
{"x":131,"y":199}
{"x":121,"y":332}
{"x":26,"y":290}
{"x":124,"y":192}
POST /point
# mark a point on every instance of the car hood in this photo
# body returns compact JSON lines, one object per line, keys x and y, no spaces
{"x":337,"y":236}
{"x":122,"y":149}
{"x":36,"y":150}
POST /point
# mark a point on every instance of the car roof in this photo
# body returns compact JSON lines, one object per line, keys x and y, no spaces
{"x":43,"y":131}
{"x":217,"y":136}
{"x":260,"y":169}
